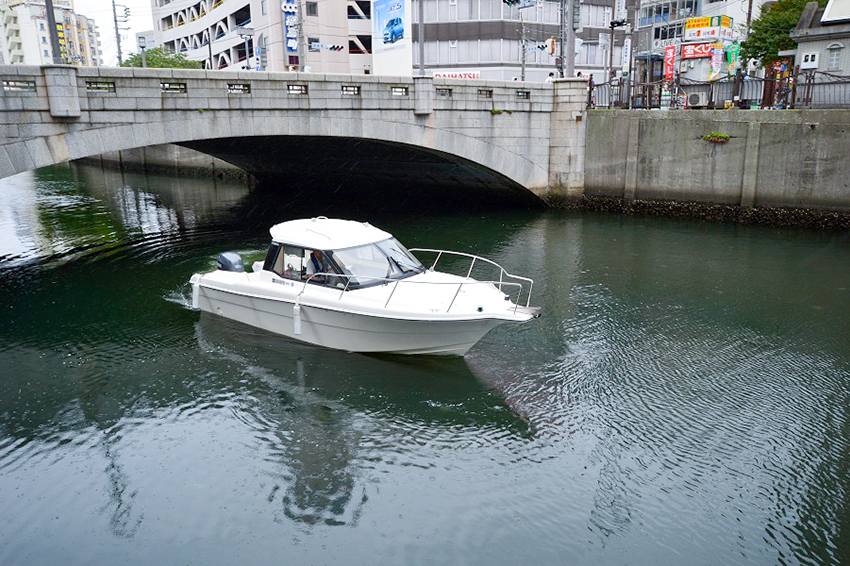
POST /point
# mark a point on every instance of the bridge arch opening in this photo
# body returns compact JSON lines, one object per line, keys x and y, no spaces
{"x":340,"y":174}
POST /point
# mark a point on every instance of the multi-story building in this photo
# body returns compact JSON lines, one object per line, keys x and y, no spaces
{"x":282,"y":37}
{"x":483,"y":38}
{"x":696,"y":29}
{"x":495,"y":41}
{"x":25,"y":35}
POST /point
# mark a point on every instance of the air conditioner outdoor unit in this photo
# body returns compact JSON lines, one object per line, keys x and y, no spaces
{"x":809,"y":61}
{"x":697,"y":99}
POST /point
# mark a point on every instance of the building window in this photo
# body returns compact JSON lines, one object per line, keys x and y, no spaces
{"x":360,"y":10}
{"x":264,"y":8}
{"x":313,"y":44}
{"x":43,"y":39}
{"x":312,"y":8}
{"x":41,"y":26}
{"x":361,"y":44}
{"x":835,"y":57}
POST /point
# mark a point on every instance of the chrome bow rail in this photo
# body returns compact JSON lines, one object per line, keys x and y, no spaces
{"x":500,"y":284}
{"x":502,"y":272}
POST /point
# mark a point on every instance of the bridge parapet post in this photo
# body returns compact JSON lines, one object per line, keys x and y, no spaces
{"x":62,"y":95}
{"x":423,"y":92}
{"x":567,"y":144}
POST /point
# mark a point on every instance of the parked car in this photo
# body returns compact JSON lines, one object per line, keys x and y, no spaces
{"x":394,"y":30}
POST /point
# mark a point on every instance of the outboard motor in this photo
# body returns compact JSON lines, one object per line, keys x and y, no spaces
{"x":231,"y":261}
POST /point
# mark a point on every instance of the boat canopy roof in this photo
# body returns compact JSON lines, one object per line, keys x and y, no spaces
{"x":326,"y":233}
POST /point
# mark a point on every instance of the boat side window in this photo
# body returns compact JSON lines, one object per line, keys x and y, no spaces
{"x":271,"y":255}
{"x":292,"y":263}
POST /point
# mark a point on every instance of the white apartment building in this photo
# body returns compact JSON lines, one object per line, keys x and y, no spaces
{"x":25,"y":37}
{"x":484,"y":38}
{"x":209,"y":31}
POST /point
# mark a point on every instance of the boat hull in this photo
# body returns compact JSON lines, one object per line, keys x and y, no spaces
{"x":341,"y":330}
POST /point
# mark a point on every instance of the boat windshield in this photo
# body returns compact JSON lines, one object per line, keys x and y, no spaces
{"x":372,"y":263}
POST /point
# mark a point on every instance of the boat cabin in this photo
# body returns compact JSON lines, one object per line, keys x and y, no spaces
{"x":338,"y":253}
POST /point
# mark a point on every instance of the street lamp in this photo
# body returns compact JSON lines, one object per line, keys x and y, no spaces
{"x":246,"y":34}
{"x":142,"y":44}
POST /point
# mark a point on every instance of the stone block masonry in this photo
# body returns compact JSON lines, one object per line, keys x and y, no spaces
{"x":528,"y":134}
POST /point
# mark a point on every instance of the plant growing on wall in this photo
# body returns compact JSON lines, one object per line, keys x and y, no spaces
{"x":716,"y":137}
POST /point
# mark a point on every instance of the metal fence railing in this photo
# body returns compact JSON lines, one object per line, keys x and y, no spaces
{"x":810,"y":89}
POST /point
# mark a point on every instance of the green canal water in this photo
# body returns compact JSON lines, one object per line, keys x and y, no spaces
{"x":684,"y":399}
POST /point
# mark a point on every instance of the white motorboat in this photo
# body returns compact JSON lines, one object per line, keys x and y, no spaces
{"x":350,"y":286}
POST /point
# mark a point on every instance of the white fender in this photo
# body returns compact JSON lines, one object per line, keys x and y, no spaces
{"x":296,"y":318}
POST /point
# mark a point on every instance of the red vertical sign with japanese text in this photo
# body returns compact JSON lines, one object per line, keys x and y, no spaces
{"x":669,"y":62}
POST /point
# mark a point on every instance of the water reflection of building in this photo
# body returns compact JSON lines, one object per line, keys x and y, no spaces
{"x":25,"y":35}
{"x":149,"y":203}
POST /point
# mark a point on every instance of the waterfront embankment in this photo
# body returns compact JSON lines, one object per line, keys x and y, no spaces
{"x":772,"y":166}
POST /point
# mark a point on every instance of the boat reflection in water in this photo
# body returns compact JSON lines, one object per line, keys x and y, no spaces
{"x":317,"y":412}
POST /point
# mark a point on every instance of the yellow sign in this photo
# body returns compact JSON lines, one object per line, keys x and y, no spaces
{"x":696,"y":23}
{"x":709,"y":22}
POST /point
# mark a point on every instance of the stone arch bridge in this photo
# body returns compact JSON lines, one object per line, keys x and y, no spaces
{"x":490,"y":134}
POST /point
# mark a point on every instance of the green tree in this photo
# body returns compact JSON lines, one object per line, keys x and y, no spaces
{"x":161,"y":58}
{"x":769,"y":33}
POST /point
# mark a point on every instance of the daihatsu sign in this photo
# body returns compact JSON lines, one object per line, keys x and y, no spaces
{"x":457,"y":75}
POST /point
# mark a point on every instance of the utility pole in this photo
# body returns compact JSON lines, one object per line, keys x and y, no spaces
{"x":523,"y":46}
{"x":122,"y":19}
{"x":421,"y":34}
{"x":567,"y":39}
{"x":54,"y":33}
{"x":749,"y":16}
{"x":302,"y":40}
{"x":209,"y":46}
{"x":611,"y":50}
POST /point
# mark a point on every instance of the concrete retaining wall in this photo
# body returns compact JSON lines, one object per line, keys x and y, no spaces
{"x":782,"y":158}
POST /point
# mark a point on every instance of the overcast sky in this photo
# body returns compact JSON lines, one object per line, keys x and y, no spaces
{"x":101,"y":12}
